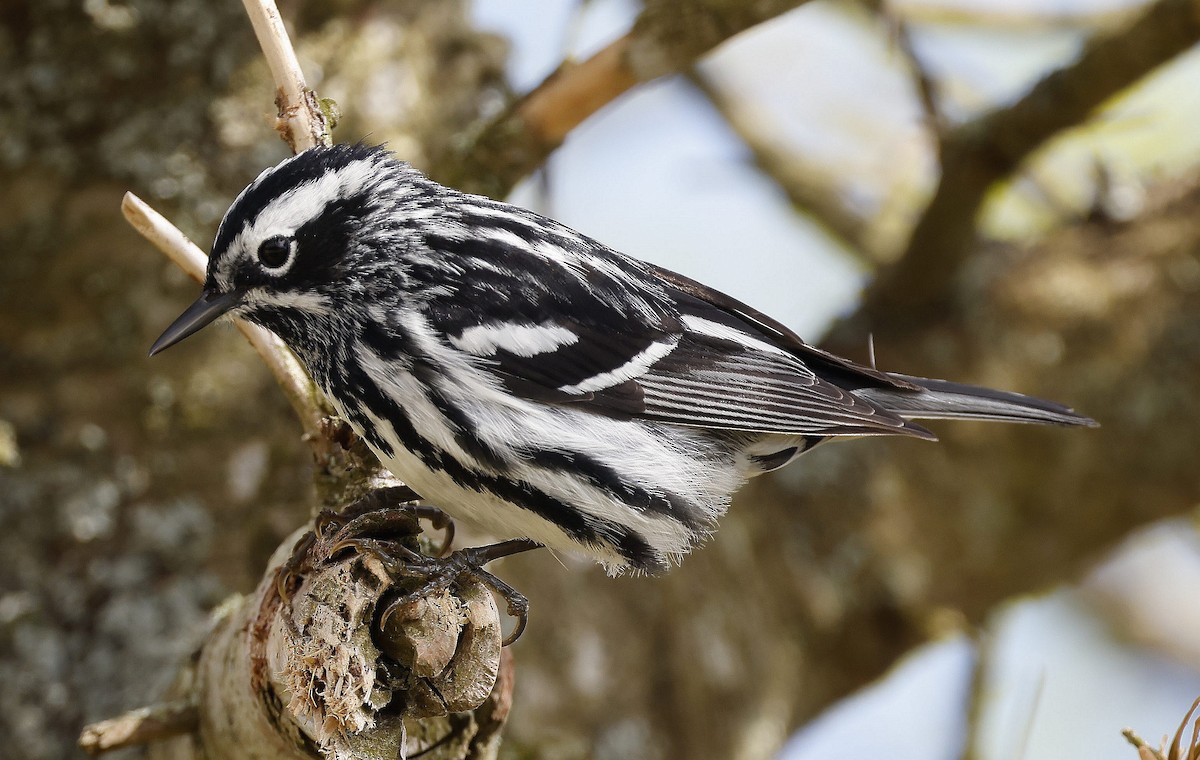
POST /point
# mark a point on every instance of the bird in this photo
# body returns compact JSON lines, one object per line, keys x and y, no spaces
{"x":530,"y":380}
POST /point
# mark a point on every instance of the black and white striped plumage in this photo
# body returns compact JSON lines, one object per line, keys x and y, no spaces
{"x":530,"y":380}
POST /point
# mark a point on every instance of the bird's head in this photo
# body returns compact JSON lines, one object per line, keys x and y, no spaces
{"x":308,"y":240}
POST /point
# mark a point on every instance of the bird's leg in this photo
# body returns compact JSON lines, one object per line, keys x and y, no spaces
{"x":378,"y":500}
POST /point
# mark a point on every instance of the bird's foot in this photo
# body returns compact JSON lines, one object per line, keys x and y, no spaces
{"x":385,"y":515}
{"x":438,"y":573}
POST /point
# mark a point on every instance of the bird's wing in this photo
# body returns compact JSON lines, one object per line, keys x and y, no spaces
{"x":623,"y":338}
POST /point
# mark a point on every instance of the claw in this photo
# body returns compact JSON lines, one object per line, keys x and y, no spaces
{"x":432,"y":584}
{"x":516,"y":604}
{"x":440,"y":521}
{"x":384,"y":551}
{"x":521,"y":615}
{"x":324,"y":520}
{"x":295,"y":566}
{"x":381,"y":523}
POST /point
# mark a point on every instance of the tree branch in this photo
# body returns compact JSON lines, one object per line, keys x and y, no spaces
{"x":302,"y":123}
{"x":141,"y":726}
{"x":902,"y":41}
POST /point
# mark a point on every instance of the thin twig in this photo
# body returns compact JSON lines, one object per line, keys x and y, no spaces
{"x":902,"y":40}
{"x":288,"y":373}
{"x":303,"y":126}
{"x":165,"y":236}
{"x":1145,"y":751}
{"x":302,"y":123}
{"x":1177,"y":751}
{"x":140,"y":726}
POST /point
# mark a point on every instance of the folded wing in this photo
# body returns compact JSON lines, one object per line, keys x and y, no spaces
{"x":623,"y":338}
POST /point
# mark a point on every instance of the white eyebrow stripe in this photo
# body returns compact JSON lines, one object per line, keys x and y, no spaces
{"x":303,"y":203}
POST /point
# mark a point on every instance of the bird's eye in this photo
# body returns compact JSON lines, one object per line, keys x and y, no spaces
{"x":275,"y":252}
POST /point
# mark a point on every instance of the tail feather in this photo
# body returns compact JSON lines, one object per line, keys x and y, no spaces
{"x":942,"y":399}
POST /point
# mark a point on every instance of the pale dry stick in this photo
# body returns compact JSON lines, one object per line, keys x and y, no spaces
{"x":1145,"y":751}
{"x":302,"y":123}
{"x":303,"y":126}
{"x":141,"y":726}
{"x":288,"y":373}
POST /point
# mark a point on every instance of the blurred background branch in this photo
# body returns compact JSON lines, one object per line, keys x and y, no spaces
{"x":976,"y":155}
{"x":809,"y":188}
{"x":668,"y":37}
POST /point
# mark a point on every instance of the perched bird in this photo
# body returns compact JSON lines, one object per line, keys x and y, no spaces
{"x":530,"y":380}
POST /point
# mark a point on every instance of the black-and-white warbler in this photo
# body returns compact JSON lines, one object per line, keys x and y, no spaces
{"x":530,"y":380}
